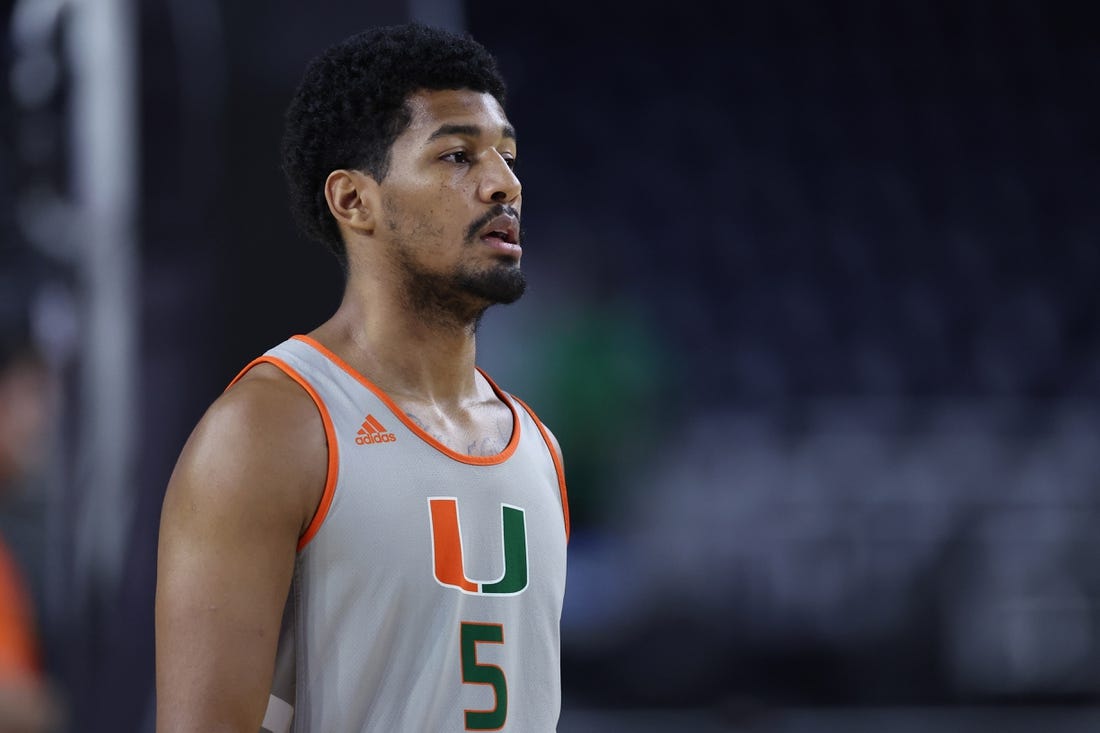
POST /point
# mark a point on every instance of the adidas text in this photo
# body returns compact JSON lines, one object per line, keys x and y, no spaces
{"x":375,"y":438}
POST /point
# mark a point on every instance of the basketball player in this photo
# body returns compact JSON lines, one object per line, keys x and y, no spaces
{"x":363,"y":532}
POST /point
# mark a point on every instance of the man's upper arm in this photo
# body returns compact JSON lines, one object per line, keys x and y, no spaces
{"x":239,"y":497}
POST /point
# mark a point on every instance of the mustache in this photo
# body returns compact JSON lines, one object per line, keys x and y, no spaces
{"x":489,"y":215}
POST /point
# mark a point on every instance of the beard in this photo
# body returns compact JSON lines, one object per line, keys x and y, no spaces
{"x":503,"y":283}
{"x":458,"y":297}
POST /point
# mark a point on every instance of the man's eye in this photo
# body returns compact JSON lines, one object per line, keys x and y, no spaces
{"x":510,"y":162}
{"x":459,"y":156}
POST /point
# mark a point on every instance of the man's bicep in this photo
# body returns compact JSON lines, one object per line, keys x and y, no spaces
{"x":228,"y":536}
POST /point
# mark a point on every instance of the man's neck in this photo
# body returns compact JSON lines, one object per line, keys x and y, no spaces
{"x":410,"y":356}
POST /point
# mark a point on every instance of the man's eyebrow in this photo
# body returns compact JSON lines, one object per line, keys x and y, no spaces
{"x":469,"y":131}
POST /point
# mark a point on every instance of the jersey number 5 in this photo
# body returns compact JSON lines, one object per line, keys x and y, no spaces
{"x":484,"y":674}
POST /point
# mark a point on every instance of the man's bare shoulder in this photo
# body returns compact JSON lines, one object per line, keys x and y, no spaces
{"x":260,"y":440}
{"x":265,"y":393}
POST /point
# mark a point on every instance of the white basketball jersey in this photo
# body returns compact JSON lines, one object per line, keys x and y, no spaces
{"x":428,"y":589}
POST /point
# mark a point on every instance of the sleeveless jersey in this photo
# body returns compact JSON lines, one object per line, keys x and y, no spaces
{"x":427,"y":590}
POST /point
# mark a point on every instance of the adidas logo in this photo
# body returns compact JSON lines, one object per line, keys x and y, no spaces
{"x":373,"y":432}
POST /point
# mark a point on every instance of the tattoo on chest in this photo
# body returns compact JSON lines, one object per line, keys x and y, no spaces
{"x":423,"y":426}
{"x":489,"y":445}
{"x":484,"y":447}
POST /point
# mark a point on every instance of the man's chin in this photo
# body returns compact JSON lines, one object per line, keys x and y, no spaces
{"x":497,"y":286}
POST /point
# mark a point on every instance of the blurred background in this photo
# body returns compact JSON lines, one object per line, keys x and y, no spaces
{"x":813,"y":310}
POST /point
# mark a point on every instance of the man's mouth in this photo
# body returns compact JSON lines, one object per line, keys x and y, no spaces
{"x":504,"y":229}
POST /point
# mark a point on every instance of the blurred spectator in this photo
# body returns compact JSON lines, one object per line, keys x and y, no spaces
{"x":27,"y":392}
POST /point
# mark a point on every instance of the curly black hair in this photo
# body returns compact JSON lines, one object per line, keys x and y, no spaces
{"x":350,"y":106}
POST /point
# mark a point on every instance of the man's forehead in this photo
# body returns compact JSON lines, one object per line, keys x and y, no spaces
{"x":434,"y":109}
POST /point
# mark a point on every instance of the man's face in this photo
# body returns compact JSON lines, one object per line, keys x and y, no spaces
{"x":451,"y":204}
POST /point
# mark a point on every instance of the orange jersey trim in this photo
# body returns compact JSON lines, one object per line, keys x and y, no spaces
{"x":330,"y":437}
{"x":416,"y":429}
{"x":558,"y":467}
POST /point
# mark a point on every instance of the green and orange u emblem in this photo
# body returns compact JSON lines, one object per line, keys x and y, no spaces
{"x":450,"y":565}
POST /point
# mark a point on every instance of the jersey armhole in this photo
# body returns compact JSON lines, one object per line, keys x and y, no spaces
{"x":558,"y":468}
{"x":333,"y":466}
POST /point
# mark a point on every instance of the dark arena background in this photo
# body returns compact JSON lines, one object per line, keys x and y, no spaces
{"x":814,"y":310}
